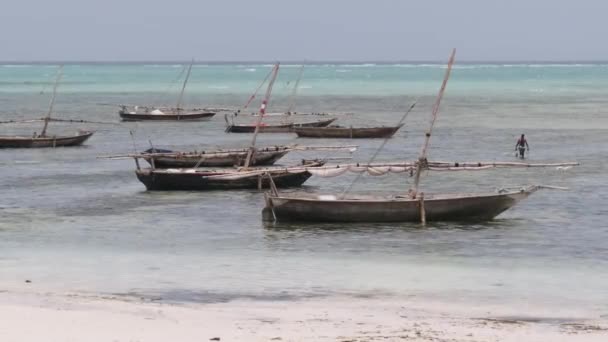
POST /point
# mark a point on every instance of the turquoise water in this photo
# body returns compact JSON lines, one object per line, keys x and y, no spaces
{"x":323,"y":79}
{"x":72,"y":222}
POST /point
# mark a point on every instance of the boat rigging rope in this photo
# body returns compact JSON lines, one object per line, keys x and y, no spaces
{"x":379,"y":149}
{"x":165,"y":94}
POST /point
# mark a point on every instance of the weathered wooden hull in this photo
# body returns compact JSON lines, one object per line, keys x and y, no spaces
{"x":473,"y":207}
{"x":48,"y":141}
{"x":188,"y":160}
{"x":199,"y":181}
{"x":194,"y":116}
{"x":285,"y":128}
{"x":346,"y":132}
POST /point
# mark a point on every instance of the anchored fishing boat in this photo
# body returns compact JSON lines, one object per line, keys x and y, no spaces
{"x":163,"y":158}
{"x":287,"y":124}
{"x":204,"y":180}
{"x":346,"y":132}
{"x":231,"y":127}
{"x":148,"y":113}
{"x":415,"y":206}
{"x":44,"y":139}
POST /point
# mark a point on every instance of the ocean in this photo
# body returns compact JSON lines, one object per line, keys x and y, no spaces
{"x":72,"y":222}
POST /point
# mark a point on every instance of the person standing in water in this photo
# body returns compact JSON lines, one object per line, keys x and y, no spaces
{"x":522,"y":146}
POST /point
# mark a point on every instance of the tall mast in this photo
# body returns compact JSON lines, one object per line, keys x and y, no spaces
{"x":275,"y":72}
{"x":292,"y":100}
{"x":181,"y":94}
{"x":48,"y":116}
{"x":423,"y":152}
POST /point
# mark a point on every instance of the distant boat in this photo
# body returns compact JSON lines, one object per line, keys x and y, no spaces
{"x":231,"y":127}
{"x":149,"y":113}
{"x":44,"y":139}
{"x":346,"y":132}
{"x":169,"y":114}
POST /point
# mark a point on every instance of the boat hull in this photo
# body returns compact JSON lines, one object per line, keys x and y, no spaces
{"x":196,"y":116}
{"x":481,"y":207}
{"x":286,"y":128}
{"x":166,"y":181}
{"x":346,"y":132}
{"x":48,"y":141}
{"x":218,"y":159}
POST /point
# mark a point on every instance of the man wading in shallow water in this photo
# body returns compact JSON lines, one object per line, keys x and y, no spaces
{"x":522,"y":146}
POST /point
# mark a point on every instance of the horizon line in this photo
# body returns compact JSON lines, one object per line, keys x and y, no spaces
{"x":305,"y":62}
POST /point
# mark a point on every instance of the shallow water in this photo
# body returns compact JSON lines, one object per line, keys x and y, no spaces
{"x":70,"y":221}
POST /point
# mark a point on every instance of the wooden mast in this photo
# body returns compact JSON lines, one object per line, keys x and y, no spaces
{"x":292,"y":101}
{"x":275,"y":72}
{"x":52,"y":103}
{"x":181,"y":94}
{"x":422,"y":161}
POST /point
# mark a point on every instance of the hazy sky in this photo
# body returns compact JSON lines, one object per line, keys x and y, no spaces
{"x":117,"y":30}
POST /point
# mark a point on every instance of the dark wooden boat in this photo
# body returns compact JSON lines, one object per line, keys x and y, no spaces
{"x":45,"y":141}
{"x":444,"y":207}
{"x":346,"y":132}
{"x":236,"y":157}
{"x":276,"y":128}
{"x":204,"y":180}
{"x":125,"y":115}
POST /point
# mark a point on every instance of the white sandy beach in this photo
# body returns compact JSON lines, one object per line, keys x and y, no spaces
{"x":53,"y":317}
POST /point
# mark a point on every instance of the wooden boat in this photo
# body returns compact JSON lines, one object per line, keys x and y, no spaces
{"x":232,"y":127}
{"x":166,"y":114}
{"x":416,"y":206}
{"x":203,"y":180}
{"x":45,"y":141}
{"x":236,"y":157}
{"x":275,"y":128}
{"x":441,"y":207}
{"x":346,"y":132}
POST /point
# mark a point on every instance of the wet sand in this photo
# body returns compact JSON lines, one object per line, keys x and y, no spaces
{"x":38,"y":316}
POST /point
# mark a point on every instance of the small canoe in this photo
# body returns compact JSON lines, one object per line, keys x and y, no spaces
{"x":346,"y":132}
{"x":171,"y":159}
{"x":278,"y":128}
{"x":170,"y":116}
{"x":440,"y":207}
{"x":46,"y":141}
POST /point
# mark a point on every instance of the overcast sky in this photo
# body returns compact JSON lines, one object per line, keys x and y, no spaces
{"x":266,"y":30}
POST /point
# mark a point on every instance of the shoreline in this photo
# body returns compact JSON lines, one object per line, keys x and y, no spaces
{"x":48,"y":316}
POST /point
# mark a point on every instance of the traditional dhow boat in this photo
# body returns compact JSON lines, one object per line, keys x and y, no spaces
{"x":163,"y":114}
{"x":346,"y":132}
{"x":231,"y":127}
{"x":145,"y":113}
{"x":163,"y":158}
{"x":415,"y":206}
{"x":283,"y":127}
{"x":44,"y":139}
{"x":236,"y":157}
{"x":203,"y":180}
